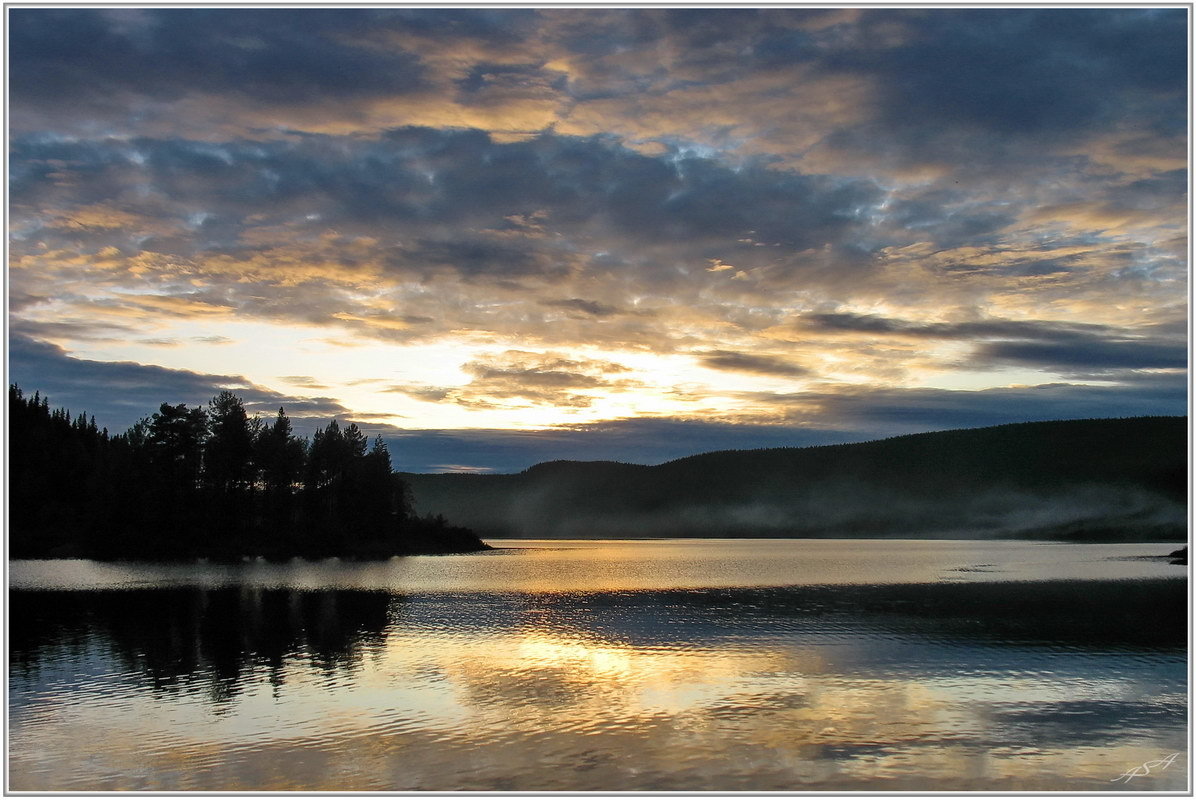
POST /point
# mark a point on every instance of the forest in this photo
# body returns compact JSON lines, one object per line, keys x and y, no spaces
{"x":209,"y":482}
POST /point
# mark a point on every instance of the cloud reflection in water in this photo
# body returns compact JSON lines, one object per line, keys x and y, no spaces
{"x":912,"y":687}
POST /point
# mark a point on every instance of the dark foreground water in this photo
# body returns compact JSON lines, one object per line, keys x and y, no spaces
{"x":661,"y":665}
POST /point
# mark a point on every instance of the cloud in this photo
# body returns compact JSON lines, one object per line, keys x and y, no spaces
{"x":1004,"y":328}
{"x":414,"y":181}
{"x":520,"y":378}
{"x":995,"y":80}
{"x":132,"y":391}
{"x":267,"y":56}
{"x":747,"y":362}
{"x":1122,"y":207}
{"x":976,"y":87}
{"x":896,"y":411}
{"x":434,"y":226}
{"x":85,"y":330}
{"x":1062,"y":347}
{"x":590,"y":307}
{"x":303,"y":381}
{"x":1088,"y":355}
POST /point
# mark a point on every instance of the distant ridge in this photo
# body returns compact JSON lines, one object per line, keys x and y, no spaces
{"x":1089,"y":479}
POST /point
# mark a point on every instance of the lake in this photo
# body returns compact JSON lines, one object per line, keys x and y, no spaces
{"x":666,"y":665}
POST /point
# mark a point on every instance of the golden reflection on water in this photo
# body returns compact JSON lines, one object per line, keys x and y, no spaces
{"x":545,"y":566}
{"x":547,"y":707}
{"x":831,"y":688}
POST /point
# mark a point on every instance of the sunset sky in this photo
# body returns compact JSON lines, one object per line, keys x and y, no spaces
{"x":503,"y":236}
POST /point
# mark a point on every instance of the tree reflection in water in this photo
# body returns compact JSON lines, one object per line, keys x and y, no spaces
{"x":190,"y":639}
{"x":950,"y":686}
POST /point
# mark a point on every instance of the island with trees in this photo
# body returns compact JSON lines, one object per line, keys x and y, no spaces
{"x":195,"y":482}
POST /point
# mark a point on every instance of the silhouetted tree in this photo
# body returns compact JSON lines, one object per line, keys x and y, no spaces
{"x":279,"y":455}
{"x":187,"y":482}
{"x":228,"y":469}
{"x":280,"y":458}
{"x":228,"y":454}
{"x":174,"y":441}
{"x":375,"y":508}
{"x":175,"y":438}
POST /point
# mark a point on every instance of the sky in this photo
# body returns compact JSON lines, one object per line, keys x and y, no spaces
{"x":503,"y":236}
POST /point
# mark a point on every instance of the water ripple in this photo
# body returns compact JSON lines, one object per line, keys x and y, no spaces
{"x":907,"y":687}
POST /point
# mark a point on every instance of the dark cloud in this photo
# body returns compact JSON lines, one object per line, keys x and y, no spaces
{"x":971,"y":88}
{"x":952,"y":218}
{"x":772,"y":207}
{"x":1113,"y":205}
{"x":131,"y":391}
{"x":441,"y":199}
{"x":885,"y":412}
{"x":1067,"y":356}
{"x":988,"y":328}
{"x":480,"y":256}
{"x":80,"y":330}
{"x":1062,"y":347}
{"x":590,"y":307}
{"x":747,"y":362}
{"x":947,"y":84}
{"x":90,"y":56}
{"x":1021,"y":72}
{"x":495,"y":26}
{"x":1148,"y":194}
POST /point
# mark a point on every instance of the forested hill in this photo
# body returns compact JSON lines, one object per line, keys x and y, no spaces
{"x":206,"y":482}
{"x":1098,"y":479}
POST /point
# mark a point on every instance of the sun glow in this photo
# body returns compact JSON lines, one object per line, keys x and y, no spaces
{"x":467,"y":378}
{"x":430,"y":384}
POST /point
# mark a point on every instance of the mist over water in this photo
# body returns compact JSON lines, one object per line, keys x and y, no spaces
{"x":845,"y":510}
{"x":662,"y":665}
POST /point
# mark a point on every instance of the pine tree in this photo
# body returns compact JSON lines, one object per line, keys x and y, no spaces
{"x":280,"y":458}
{"x":228,"y":452}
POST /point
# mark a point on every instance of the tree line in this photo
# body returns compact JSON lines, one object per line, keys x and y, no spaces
{"x":213,"y":482}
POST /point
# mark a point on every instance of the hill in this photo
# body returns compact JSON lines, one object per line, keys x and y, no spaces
{"x":1098,"y":479}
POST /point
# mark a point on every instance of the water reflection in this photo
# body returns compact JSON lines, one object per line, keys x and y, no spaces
{"x":999,"y":687}
{"x":550,"y":566}
{"x":212,"y":640}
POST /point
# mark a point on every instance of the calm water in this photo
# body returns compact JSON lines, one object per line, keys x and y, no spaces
{"x":660,"y":665}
